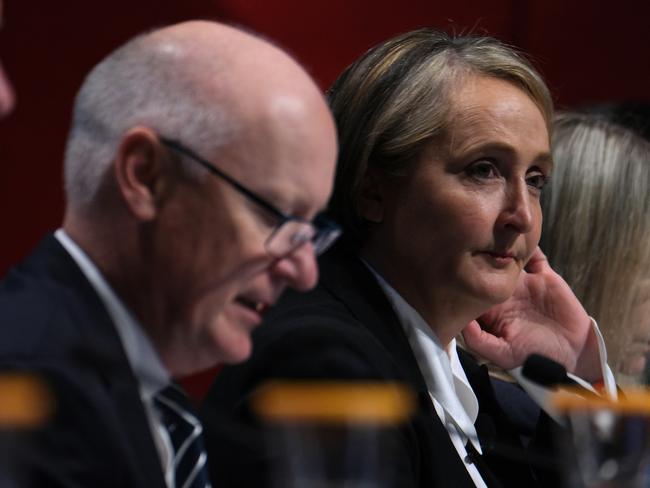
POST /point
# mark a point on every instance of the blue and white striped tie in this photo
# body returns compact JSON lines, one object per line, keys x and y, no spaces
{"x":190,"y":459}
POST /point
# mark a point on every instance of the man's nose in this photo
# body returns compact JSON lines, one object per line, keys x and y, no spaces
{"x":299,"y":269}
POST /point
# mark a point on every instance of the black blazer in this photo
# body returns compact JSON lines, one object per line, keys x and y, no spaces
{"x":345,"y":328}
{"x":54,"y":324}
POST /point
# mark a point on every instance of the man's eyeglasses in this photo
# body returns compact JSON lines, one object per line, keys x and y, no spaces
{"x":291,"y":232}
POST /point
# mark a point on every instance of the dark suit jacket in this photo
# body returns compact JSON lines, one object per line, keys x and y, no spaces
{"x":54,"y":324}
{"x":346,"y":328}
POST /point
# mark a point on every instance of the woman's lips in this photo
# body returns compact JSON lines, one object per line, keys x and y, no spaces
{"x":500,"y":259}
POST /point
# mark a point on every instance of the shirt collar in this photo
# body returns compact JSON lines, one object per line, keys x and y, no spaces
{"x":143,"y":359}
{"x":443,"y":373}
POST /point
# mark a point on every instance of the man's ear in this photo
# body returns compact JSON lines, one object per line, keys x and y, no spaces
{"x":371,"y":197}
{"x":140,"y":172}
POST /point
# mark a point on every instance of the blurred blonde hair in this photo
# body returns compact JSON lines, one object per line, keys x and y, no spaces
{"x":596,"y":230}
{"x":394,"y":100}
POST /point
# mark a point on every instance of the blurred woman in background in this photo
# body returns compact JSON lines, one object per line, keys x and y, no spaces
{"x":596,"y":231}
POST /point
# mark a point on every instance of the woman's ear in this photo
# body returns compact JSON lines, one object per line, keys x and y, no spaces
{"x":371,"y":197}
{"x":140,"y":172}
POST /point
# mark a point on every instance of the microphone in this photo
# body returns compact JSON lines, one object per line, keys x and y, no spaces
{"x":546,"y":372}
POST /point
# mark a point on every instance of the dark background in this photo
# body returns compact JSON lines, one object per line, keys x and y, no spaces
{"x":588,"y":50}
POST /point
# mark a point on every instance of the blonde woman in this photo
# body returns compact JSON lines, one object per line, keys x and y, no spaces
{"x":596,"y":231}
{"x":444,"y":150}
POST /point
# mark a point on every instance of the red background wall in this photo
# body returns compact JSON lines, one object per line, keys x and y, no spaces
{"x":589,"y":50}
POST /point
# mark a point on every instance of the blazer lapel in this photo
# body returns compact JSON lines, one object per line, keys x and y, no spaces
{"x":503,"y":451}
{"x":345,"y":276}
{"x":100,"y":350}
{"x":130,"y":413}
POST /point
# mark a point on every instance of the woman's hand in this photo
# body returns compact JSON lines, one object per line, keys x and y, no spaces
{"x":543,"y":316}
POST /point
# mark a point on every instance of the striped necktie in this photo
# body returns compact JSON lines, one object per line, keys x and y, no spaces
{"x":190,"y":459}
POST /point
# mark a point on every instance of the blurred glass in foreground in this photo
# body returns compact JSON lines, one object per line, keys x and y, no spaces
{"x":611,"y":440}
{"x":332,"y":434}
{"x":25,"y":404}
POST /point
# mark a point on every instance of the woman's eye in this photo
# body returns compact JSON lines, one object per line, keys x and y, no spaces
{"x":482,"y":170}
{"x":537,"y":180}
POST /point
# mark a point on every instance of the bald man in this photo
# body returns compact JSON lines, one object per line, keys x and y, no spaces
{"x":198,"y":160}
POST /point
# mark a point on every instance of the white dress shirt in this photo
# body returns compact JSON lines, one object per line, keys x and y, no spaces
{"x":452,"y":396}
{"x":145,"y":363}
{"x":450,"y":392}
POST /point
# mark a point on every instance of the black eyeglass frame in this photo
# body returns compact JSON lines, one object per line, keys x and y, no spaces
{"x":326,"y":230}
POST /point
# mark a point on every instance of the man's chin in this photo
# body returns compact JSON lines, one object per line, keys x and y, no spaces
{"x":234,"y":351}
{"x":197,"y":360}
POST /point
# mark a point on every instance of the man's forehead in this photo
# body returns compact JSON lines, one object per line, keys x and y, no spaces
{"x":284,"y":142}
{"x":293,"y":186}
{"x":290,"y":171}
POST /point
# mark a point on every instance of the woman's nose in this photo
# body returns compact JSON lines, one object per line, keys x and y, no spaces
{"x":517,"y":212}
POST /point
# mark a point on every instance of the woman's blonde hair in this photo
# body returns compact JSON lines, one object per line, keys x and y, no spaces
{"x":395,"y":100}
{"x":596,"y":230}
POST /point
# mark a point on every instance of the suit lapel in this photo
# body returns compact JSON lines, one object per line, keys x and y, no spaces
{"x":504,"y":454}
{"x":99,"y":349}
{"x":130,"y":413}
{"x":345,"y":276}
